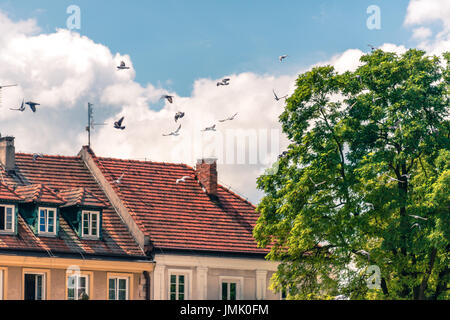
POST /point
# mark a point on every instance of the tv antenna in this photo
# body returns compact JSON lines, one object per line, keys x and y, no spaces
{"x":7,"y":86}
{"x":91,"y":124}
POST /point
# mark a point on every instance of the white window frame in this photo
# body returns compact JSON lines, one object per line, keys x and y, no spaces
{"x":187,"y":282}
{"x":90,"y":214}
{"x":76,"y":282}
{"x":44,"y":283}
{"x":55,"y":218}
{"x":239,"y":285}
{"x":13,"y":223}
{"x":2,"y":286}
{"x":116,"y":293}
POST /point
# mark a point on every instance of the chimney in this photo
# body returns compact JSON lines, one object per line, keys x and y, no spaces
{"x":7,"y":153}
{"x":206,"y":171}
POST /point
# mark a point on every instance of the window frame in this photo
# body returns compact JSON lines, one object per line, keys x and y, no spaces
{"x":45,"y":281}
{"x":55,"y":218}
{"x":121,"y":276}
{"x":13,"y":219}
{"x":239,"y":281}
{"x":187,"y":283}
{"x":89,"y":285}
{"x":90,"y":213}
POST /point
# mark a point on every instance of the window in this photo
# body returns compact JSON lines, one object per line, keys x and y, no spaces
{"x":47,"y":221}
{"x":34,"y":286}
{"x":90,"y":224}
{"x":118,"y":288}
{"x":7,"y":219}
{"x":230,"y":288}
{"x":77,"y":287}
{"x":177,"y":287}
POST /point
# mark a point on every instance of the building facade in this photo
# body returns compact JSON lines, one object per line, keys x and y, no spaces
{"x":88,"y":227}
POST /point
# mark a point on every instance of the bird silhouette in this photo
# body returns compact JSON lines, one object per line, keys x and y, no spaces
{"x":168,"y":98}
{"x":32,"y":105}
{"x":183,"y":179}
{"x":22,"y":107}
{"x":281,"y":58}
{"x":277,"y":98}
{"x":224,"y":82}
{"x":229,"y":118}
{"x":122,"y":66}
{"x":118,"y":124}
{"x":212,"y":128}
{"x":178,"y":116}
{"x":174,"y":133}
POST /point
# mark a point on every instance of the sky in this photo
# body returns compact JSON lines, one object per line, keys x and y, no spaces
{"x":183,"y":48}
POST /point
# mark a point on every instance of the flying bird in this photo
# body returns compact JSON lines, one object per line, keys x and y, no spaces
{"x":168,"y":98}
{"x":183,"y":179}
{"x":277,"y":98}
{"x":22,"y":107}
{"x":213,"y":128}
{"x":32,"y":105}
{"x":229,"y":119}
{"x":119,"y":180}
{"x":283,"y":57}
{"x":122,"y":66}
{"x":417,"y":217}
{"x":416,"y":225}
{"x":316,"y":184}
{"x":224,"y":82}
{"x":118,"y":124}
{"x":174,"y":133}
{"x":373,"y":48}
{"x":364,"y":253}
{"x":178,"y":116}
{"x":37,"y":155}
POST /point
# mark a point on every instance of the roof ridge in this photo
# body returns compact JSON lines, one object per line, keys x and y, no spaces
{"x":145,"y":161}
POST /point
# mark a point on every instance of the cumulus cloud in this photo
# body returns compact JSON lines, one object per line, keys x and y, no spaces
{"x":64,"y":71}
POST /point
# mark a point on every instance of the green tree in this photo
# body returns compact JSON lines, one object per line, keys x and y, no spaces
{"x":365,"y":181}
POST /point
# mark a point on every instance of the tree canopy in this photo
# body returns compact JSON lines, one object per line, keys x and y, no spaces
{"x":365,"y":182}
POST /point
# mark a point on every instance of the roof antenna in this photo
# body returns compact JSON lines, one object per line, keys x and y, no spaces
{"x":91,"y":124}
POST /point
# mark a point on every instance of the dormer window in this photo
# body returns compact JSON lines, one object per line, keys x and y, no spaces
{"x":7,"y":219}
{"x":47,"y":221}
{"x":90,"y":223}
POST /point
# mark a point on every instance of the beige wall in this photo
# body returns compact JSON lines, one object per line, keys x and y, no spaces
{"x":56,"y":283}
{"x":248,"y":272}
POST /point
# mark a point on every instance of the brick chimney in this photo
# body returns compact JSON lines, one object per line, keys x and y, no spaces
{"x":206,"y":171}
{"x":7,"y":153}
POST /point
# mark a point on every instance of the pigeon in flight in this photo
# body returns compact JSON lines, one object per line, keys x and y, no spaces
{"x":183,"y":179}
{"x":174,"y":133}
{"x":22,"y":107}
{"x":37,"y":155}
{"x":118,"y":124}
{"x":178,"y":116}
{"x":364,"y":253}
{"x":277,"y":98}
{"x":224,"y":82}
{"x":229,"y":119}
{"x":283,"y":57}
{"x":316,"y":184}
{"x":122,"y":66}
{"x":118,"y":181}
{"x":213,"y":128}
{"x":373,"y":48}
{"x":417,"y":217}
{"x":168,"y":98}
{"x":32,"y":105}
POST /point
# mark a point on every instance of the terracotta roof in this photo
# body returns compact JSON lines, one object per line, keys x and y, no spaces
{"x":181,"y":216}
{"x":57,"y":173}
{"x":81,"y":197}
{"x":7,"y":194}
{"x":38,"y":193}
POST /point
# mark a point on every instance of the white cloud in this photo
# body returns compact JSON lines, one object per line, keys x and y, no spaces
{"x":63,"y":71}
{"x":422,"y":33}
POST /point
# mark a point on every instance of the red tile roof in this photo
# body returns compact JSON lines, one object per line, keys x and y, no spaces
{"x":61,"y":173}
{"x":81,"y":197}
{"x":181,"y":216}
{"x":38,"y":193}
{"x":7,"y":194}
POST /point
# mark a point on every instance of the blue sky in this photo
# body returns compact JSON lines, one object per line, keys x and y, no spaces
{"x":174,"y":42}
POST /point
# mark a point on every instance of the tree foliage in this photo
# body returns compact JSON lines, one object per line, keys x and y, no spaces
{"x":365,"y":181}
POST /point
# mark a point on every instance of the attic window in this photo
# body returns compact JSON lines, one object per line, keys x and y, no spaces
{"x":90,"y":224}
{"x":7,"y":222}
{"x":47,"y":221}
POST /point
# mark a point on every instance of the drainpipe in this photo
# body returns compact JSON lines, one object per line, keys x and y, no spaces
{"x":147,"y":285}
